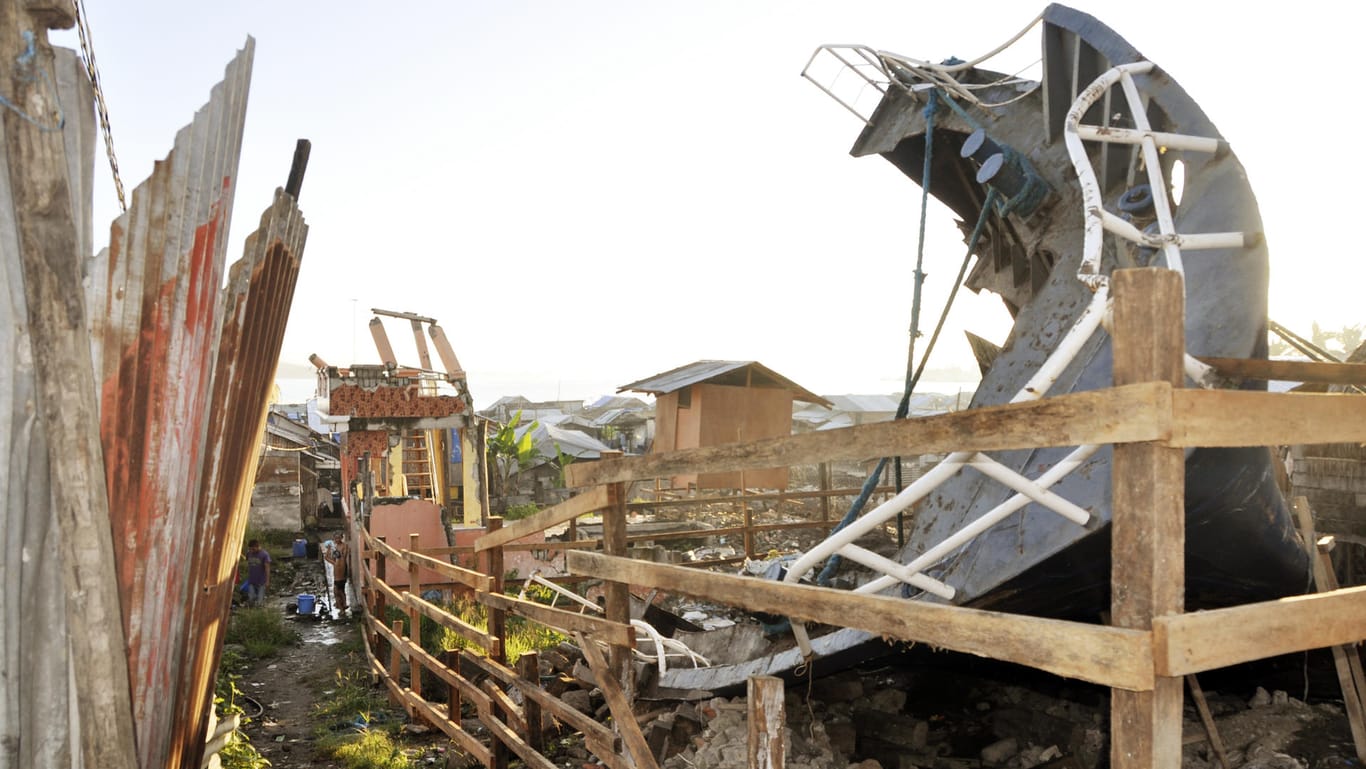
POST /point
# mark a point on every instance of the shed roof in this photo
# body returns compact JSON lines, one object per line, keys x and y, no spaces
{"x":740,"y":373}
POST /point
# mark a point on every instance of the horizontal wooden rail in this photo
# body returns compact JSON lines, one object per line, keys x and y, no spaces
{"x":590,"y":501}
{"x":779,"y":496}
{"x":1116,"y":415}
{"x":464,"y":739}
{"x":1205,"y":640}
{"x":557,"y":707}
{"x":457,"y":574}
{"x":1109,"y":656}
{"x":1246,"y":418}
{"x":598,"y":628}
{"x":1290,"y":370}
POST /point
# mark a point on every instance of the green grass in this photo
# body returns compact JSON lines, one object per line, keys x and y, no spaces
{"x":518,"y":512}
{"x":522,"y":635}
{"x":368,"y":749}
{"x":261,"y":631}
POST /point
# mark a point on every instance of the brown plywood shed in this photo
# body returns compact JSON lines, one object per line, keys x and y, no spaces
{"x":712,"y":403}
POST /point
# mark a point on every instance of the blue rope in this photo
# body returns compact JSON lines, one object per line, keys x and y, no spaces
{"x":913,"y":377}
{"x":23,"y":63}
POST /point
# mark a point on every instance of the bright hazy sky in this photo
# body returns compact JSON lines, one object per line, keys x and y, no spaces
{"x":588,"y":193}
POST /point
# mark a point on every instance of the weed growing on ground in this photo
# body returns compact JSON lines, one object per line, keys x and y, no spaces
{"x":370,"y":750}
{"x":351,"y":701}
{"x":238,"y":753}
{"x":260,"y":631}
{"x":522,"y":635}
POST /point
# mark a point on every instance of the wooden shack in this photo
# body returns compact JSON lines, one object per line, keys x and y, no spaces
{"x":715,"y":402}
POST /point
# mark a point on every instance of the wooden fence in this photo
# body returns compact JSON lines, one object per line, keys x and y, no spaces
{"x":1142,"y":656}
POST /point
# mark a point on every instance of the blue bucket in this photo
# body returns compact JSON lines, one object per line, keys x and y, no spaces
{"x":306,"y":603}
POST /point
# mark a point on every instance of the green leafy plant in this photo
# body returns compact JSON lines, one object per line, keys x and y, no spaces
{"x":563,"y":461}
{"x":518,"y":512}
{"x":260,"y":631}
{"x":509,"y":454}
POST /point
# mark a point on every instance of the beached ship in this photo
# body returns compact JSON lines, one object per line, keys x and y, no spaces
{"x":1103,"y":162}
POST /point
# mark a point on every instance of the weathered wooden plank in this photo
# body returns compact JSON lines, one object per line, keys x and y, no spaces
{"x":466,"y":577}
{"x":767,"y":746}
{"x":587,"y":502}
{"x":615,"y":633}
{"x":508,"y":737}
{"x":562,"y":711}
{"x":1136,"y":412}
{"x":1148,"y":523}
{"x":66,"y":405}
{"x":457,"y":574}
{"x":1243,"y":418}
{"x":1105,"y":655}
{"x":1289,"y":370}
{"x":619,"y":704}
{"x":1191,"y":643}
{"x":512,"y":714}
{"x":467,"y":742}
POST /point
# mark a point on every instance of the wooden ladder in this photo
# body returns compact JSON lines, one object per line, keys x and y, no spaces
{"x":417,"y":466}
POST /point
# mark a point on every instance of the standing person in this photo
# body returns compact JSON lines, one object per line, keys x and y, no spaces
{"x":339,"y":556}
{"x":258,"y":572}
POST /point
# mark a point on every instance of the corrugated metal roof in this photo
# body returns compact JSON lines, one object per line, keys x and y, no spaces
{"x":865,"y":403}
{"x":743,"y":373}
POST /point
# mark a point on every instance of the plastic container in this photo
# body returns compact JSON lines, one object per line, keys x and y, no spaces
{"x":307,"y":603}
{"x":300,"y":548}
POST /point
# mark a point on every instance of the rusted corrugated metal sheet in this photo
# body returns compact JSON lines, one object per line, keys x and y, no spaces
{"x":154,"y":300}
{"x":257,"y":300}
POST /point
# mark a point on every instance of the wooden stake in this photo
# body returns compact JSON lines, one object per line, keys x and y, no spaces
{"x":619,"y":704}
{"x":529,"y":668}
{"x":414,"y":616}
{"x":1148,"y":538}
{"x":1207,"y":719}
{"x":497,"y":617}
{"x":618,"y":596}
{"x":767,"y":722}
{"x":1349,"y":675}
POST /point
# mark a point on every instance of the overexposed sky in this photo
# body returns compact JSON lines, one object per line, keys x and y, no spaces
{"x":588,"y":193}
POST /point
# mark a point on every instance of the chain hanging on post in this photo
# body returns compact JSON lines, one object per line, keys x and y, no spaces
{"x":88,"y":55}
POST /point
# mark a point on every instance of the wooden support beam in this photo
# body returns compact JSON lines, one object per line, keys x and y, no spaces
{"x":1289,"y":370}
{"x":529,"y":670}
{"x":1248,"y":418}
{"x":1207,"y":719}
{"x":590,"y":501}
{"x":1104,"y":655}
{"x":511,"y":714}
{"x":558,"y":708}
{"x":497,"y":622}
{"x":1148,"y":519}
{"x":618,"y":704}
{"x":613,"y":633}
{"x":471,"y":579}
{"x":1346,"y":660}
{"x":767,"y":723}
{"x":1191,"y":643}
{"x":414,"y":616}
{"x":1138,"y":412}
{"x":618,"y":604}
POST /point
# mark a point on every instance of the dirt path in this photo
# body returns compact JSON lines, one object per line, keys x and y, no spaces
{"x":287,"y":685}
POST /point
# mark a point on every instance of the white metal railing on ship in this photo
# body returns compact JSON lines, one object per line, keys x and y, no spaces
{"x":1097,"y":222}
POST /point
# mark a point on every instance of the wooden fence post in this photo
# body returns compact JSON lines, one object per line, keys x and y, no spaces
{"x":617,"y":593}
{"x":767,"y":723}
{"x":414,"y":617}
{"x":451,"y":658}
{"x":497,"y":617}
{"x":748,"y":515}
{"x":395,"y":654}
{"x":1148,"y":524}
{"x":824,"y":472}
{"x":529,"y":668}
{"x":381,"y":613}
